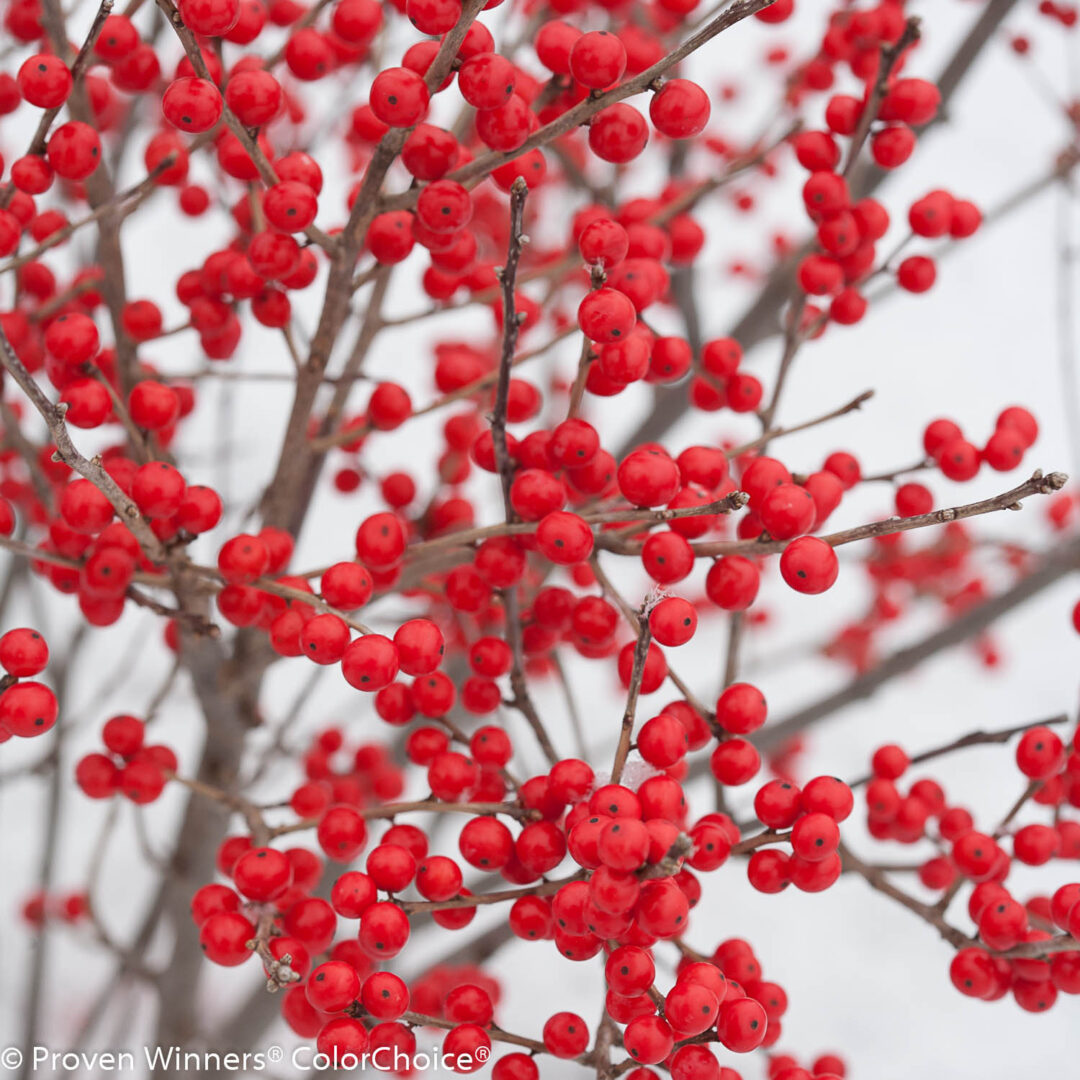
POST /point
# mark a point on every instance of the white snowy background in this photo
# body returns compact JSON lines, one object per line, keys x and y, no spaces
{"x":864,"y":977}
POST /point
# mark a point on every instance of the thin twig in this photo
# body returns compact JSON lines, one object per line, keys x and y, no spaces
{"x":637,"y":672}
{"x":53,"y":415}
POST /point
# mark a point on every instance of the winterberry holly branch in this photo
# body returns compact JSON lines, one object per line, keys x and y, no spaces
{"x":440,"y":623}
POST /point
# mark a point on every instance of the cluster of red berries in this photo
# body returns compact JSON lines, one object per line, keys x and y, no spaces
{"x":786,"y":1067}
{"x":901,"y":568}
{"x":728,"y":990}
{"x":86,"y":551}
{"x":130,"y":766}
{"x":336,"y":776}
{"x":852,"y":41}
{"x":958,"y":459}
{"x":73,"y":150}
{"x":631,"y":844}
{"x":1003,"y":923}
{"x":645,"y":478}
{"x":903,"y":572}
{"x":778,"y":507}
{"x":638,"y":857}
{"x":100,"y":556}
{"x":460,"y":228}
{"x":812,"y":814}
{"x":69,"y":908}
{"x":633,"y":895}
{"x":630,"y":851}
{"x":986,"y":968}
{"x":847,"y":232}
{"x":1065,"y":14}
{"x":27,"y":708}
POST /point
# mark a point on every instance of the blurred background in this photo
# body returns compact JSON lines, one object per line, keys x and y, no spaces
{"x":864,"y":977}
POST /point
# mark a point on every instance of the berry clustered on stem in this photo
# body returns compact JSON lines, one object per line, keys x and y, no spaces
{"x":499,"y":159}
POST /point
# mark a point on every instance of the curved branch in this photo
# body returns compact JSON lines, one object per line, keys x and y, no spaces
{"x":53,"y":415}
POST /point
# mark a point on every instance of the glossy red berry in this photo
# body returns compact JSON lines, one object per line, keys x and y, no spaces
{"x":153,"y":405}
{"x":192,"y":104}
{"x":23,"y":652}
{"x":735,"y":762}
{"x":732,"y":582}
{"x":618,"y":133}
{"x":487,"y":80}
{"x":604,"y":242}
{"x":28,"y":709}
{"x":332,"y":986}
{"x":680,"y":109}
{"x":74,"y":150}
{"x":158,"y":489}
{"x":691,"y":1007}
{"x":45,"y":81}
{"x":214,"y":18}
{"x":565,"y":1035}
{"x":243,"y":559}
{"x":741,"y":709}
{"x":741,"y":1025}
{"x":815,"y":837}
{"x":673,"y":621}
{"x":648,"y":1039}
{"x":809,"y":565}
{"x":398,"y":97}
{"x":564,"y":538}
{"x":787,"y":511}
{"x":352,"y":894}
{"x":606,"y":315}
{"x":224,"y":938}
{"x":262,"y":873}
{"x":1040,"y":753}
{"x":254,"y":96}
{"x":341,"y":833}
{"x":648,"y":478}
{"x":916,"y":273}
{"x":597,"y":59}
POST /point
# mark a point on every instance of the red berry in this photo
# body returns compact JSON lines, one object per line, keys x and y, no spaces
{"x":916,"y":273}
{"x":648,"y":478}
{"x":597,"y":59}
{"x":23,"y":652}
{"x":741,"y":709}
{"x":27,"y":709}
{"x":332,"y":986}
{"x":74,"y":150}
{"x":741,"y":1025}
{"x":565,"y":1035}
{"x":1040,"y":753}
{"x":262,"y":873}
{"x":648,"y":1039}
{"x":673,"y":621}
{"x":159,"y":490}
{"x":809,"y":565}
{"x":606,"y":315}
{"x":487,"y":80}
{"x":224,"y":938}
{"x":680,"y":109}
{"x":45,"y":81}
{"x":618,"y":133}
{"x":192,"y":104}
{"x":398,"y":97}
